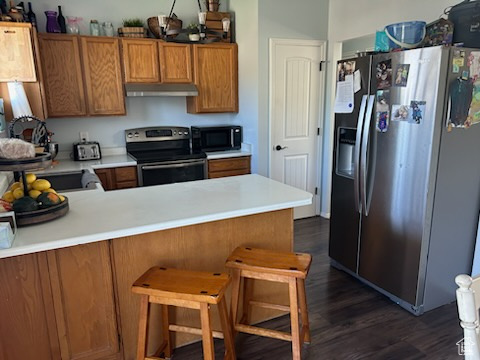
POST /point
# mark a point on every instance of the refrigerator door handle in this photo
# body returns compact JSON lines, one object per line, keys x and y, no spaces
{"x":356,"y":164}
{"x":364,"y":151}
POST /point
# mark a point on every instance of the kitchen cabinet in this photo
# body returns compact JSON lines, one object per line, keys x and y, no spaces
{"x":82,"y":75}
{"x":16,"y":52}
{"x":103,"y":75}
{"x":140,"y":60}
{"x":228,"y":167}
{"x":215,"y":72}
{"x":62,"y":70}
{"x":118,"y":178}
{"x":154,"y":61}
{"x":82,"y":286}
{"x":27,"y":328}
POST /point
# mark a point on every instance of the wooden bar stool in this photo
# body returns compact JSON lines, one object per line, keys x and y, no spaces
{"x":188,"y":289}
{"x":285,"y":267}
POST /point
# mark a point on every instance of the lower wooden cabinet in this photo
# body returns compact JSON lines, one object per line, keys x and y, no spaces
{"x":59,"y":304}
{"x":228,"y":167}
{"x":81,"y":279}
{"x":118,"y":178}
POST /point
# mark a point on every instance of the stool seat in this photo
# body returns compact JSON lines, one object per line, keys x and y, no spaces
{"x":250,"y":264}
{"x":269,"y":261}
{"x":207,"y":287}
{"x":188,"y":289}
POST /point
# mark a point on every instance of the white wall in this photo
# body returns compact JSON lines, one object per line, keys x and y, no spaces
{"x":140,"y":111}
{"x":351,"y":19}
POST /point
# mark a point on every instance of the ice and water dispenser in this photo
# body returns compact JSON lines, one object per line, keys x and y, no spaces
{"x":346,"y":151}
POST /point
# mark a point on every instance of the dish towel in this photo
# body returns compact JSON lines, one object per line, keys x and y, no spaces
{"x":89,"y":180}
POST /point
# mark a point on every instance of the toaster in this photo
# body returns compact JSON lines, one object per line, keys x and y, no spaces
{"x":89,"y":150}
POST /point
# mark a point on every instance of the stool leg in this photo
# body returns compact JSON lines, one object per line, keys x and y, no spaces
{"x":302,"y":298}
{"x":207,"y":338}
{"x":235,"y":296}
{"x":143,"y":328}
{"x":296,"y":345}
{"x":166,"y":331}
{"x":247,"y":297}
{"x":227,"y":331}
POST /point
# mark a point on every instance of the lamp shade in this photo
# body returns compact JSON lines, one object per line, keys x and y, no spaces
{"x":18,"y":99}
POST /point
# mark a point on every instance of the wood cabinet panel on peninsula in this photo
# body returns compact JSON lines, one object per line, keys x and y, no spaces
{"x":82,"y":75}
{"x":216,"y":77}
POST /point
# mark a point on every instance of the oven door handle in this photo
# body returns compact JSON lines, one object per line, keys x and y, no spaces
{"x":173,"y":165}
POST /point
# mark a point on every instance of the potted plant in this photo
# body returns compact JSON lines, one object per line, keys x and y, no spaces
{"x":193,"y":32}
{"x":132,"y":28}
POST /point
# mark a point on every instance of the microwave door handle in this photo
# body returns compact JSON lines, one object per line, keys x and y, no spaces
{"x":364,"y":151}
{"x":232,"y":137}
{"x":356,"y":164}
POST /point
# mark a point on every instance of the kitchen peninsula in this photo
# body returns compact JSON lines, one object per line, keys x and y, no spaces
{"x":66,"y":283}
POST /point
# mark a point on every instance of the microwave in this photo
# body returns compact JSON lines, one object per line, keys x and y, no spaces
{"x":216,"y":138}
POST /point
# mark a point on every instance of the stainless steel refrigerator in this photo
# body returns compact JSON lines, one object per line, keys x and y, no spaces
{"x":406,"y":174}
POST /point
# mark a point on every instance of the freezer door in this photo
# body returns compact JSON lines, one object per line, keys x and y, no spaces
{"x":345,"y":217}
{"x":399,"y":170}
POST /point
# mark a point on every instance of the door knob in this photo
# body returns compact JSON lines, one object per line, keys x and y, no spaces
{"x":278,"y":147}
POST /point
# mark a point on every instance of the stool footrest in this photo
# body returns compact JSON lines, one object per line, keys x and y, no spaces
{"x":194,"y":331}
{"x":255,"y":330}
{"x":269,"y":305}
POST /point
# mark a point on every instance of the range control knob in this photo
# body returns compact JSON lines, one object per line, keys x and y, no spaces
{"x":129,"y":135}
{"x":136,"y":134}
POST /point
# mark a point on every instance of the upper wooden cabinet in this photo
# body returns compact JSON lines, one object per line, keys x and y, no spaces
{"x":175,"y":63}
{"x":140,"y":60}
{"x":216,"y":77}
{"x":16,"y":52}
{"x":154,"y":61}
{"x":103,"y":75}
{"x":67,"y":92}
{"x":62,"y":70}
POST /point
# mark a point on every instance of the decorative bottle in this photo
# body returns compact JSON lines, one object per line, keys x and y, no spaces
{"x":52,"y":24}
{"x":32,"y":18}
{"x":61,"y":20}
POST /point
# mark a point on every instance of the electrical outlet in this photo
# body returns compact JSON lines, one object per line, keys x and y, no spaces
{"x":83,"y":136}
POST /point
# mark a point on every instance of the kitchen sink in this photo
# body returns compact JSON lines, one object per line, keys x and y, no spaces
{"x":70,"y":181}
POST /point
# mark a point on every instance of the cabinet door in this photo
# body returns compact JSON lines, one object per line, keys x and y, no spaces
{"x":106,"y":177}
{"x":16,"y":53}
{"x":140,"y":61}
{"x":103,"y":75}
{"x":125,"y":177}
{"x":216,"y":76}
{"x":62,"y":71}
{"x":175,"y":63}
{"x":82,"y":287}
{"x":27,"y":325}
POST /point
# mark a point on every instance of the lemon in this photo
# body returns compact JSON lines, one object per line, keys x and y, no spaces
{"x":16,"y":185}
{"x":50,"y":190}
{"x":61,"y":197}
{"x":30,"y":178}
{"x":8,"y":196}
{"x":34,"y":193}
{"x":18,"y":193}
{"x":41,"y":184}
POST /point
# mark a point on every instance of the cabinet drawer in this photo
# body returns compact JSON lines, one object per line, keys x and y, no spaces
{"x":229,"y":164}
{"x":218,"y":174}
{"x":126,"y":174}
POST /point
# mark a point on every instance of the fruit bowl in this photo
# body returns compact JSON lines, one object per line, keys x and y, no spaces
{"x":42,"y":215}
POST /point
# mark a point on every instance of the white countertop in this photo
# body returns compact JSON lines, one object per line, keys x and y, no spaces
{"x":96,"y":215}
{"x":110,"y":161}
{"x":227,"y":154}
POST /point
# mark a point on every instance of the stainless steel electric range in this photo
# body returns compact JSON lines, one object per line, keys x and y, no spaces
{"x":164,"y":155}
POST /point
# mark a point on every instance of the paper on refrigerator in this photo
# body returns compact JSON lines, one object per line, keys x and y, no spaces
{"x":344,"y":96}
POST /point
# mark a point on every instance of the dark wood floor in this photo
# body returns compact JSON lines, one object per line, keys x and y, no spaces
{"x":348,"y":320}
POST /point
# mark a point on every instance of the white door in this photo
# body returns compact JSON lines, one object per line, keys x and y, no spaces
{"x":296,"y":99}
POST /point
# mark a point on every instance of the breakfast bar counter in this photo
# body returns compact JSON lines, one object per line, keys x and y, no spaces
{"x":66,"y":284}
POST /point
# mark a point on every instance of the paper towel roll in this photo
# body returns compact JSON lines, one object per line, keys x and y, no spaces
{"x":18,"y":98}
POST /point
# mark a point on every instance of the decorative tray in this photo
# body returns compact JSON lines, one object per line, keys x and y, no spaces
{"x":41,"y":160}
{"x":42,"y":215}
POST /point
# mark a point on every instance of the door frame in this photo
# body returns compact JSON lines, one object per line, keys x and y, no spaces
{"x":273,"y":42}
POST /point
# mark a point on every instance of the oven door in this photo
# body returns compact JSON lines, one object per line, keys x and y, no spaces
{"x":168,"y":172}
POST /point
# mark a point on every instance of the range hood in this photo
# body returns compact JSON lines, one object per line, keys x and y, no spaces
{"x":161,"y":90}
